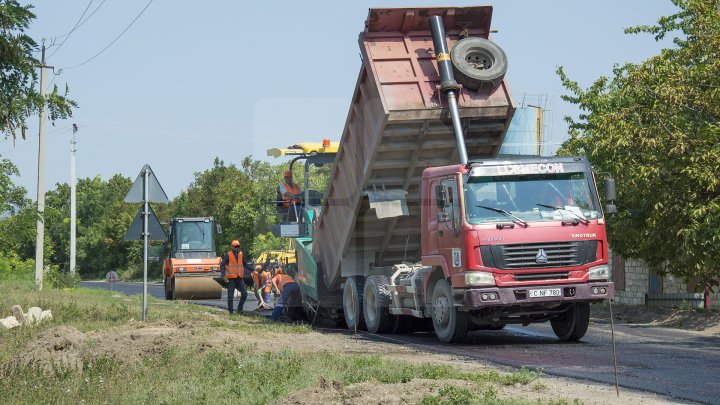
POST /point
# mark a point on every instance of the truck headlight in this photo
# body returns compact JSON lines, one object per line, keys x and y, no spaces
{"x":599,"y":272}
{"x":479,"y":278}
{"x":181,"y":269}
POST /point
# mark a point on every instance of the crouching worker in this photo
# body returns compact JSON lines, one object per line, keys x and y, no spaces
{"x":262,"y":285}
{"x":289,"y":296}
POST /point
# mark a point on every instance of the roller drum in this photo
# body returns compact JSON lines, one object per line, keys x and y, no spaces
{"x":197,"y":288}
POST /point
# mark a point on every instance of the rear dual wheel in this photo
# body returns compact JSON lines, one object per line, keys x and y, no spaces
{"x":353,"y":302}
{"x":376,"y":305}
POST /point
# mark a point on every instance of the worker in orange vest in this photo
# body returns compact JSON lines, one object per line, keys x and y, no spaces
{"x":232,"y":270}
{"x":289,"y":195}
{"x":262,"y":285}
{"x":289,"y":296}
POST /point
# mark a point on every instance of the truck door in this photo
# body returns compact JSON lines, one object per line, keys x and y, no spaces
{"x":449,"y":239}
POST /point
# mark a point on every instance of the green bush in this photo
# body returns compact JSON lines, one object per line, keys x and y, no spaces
{"x":13,"y":268}
{"x":57,"y":278}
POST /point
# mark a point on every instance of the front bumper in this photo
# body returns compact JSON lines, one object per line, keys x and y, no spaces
{"x":476,"y":298}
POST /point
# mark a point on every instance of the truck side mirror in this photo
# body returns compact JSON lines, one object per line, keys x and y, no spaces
{"x":218,"y":228}
{"x":610,"y":196}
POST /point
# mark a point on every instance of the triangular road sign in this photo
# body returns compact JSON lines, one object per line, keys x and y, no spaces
{"x":155,"y":230}
{"x":156,"y":193}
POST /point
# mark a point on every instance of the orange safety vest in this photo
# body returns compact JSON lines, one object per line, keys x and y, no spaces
{"x":294,"y":189}
{"x":262,"y":280}
{"x":234,"y":268}
{"x":283,"y":279}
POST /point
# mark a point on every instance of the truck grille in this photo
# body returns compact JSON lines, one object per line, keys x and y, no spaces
{"x":539,"y":255}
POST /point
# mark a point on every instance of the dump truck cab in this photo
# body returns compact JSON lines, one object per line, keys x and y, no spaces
{"x":192,"y":263}
{"x":518,"y":233}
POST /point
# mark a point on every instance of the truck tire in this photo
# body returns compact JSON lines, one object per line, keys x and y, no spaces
{"x":353,"y":303}
{"x":477,"y":61}
{"x":573,"y":324}
{"x":376,"y":303}
{"x":450,"y":324}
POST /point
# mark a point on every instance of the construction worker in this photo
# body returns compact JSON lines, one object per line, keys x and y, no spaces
{"x":262,"y":285}
{"x":289,"y":196}
{"x":289,"y":296}
{"x":232,"y":270}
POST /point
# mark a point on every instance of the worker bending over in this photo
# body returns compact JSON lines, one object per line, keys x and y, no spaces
{"x":289,"y":296}
{"x":262,"y":286}
{"x":232,"y":270}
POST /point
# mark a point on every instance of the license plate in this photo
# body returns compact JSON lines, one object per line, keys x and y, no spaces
{"x":550,"y":292}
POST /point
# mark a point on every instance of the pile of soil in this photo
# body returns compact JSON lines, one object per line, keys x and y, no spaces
{"x":705,"y":322}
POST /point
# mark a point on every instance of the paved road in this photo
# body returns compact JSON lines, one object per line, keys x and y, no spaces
{"x":680,"y":364}
{"x":158,"y":291}
{"x":676,"y":363}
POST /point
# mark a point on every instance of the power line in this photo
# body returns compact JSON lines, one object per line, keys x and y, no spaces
{"x":114,"y":40}
{"x":77,"y":24}
{"x":83,"y":21}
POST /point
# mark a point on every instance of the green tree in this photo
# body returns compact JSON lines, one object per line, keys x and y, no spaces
{"x":655,"y":126}
{"x":12,"y":197}
{"x":19,"y":98}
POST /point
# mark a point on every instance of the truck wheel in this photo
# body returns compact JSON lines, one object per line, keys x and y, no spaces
{"x":376,"y":301}
{"x":353,"y":303}
{"x":477,"y":61}
{"x":450,"y":325}
{"x":573,"y":324}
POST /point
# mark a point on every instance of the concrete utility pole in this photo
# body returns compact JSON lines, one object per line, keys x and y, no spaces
{"x":39,"y":241}
{"x":73,"y":206}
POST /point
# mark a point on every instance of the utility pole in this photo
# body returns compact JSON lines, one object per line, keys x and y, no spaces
{"x":39,"y":242}
{"x":73,"y":207}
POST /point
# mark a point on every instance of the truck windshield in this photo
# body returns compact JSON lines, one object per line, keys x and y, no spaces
{"x":562,"y":196}
{"x":194,"y":235}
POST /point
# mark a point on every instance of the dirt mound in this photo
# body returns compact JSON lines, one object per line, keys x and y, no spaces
{"x":706,"y":322}
{"x":411,"y":392}
{"x":67,"y":347}
{"x":130,"y":345}
{"x":60,"y":346}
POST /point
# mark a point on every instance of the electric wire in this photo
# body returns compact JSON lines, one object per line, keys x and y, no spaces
{"x":77,"y":24}
{"x":114,"y":40}
{"x":83,"y":21}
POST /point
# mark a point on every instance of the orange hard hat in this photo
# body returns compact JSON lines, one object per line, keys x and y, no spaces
{"x":235,"y":243}
{"x":287,"y":173}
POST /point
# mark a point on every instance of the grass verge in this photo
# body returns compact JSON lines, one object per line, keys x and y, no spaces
{"x":192,"y":371}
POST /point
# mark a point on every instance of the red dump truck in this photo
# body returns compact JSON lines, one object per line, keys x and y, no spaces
{"x":423,"y":221}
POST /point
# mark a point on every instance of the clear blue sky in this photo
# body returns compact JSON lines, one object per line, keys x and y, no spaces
{"x":191,"y":81}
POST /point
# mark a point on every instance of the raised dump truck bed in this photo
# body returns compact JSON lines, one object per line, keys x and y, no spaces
{"x":397,"y":126}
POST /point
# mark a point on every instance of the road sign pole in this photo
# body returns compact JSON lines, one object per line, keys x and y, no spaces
{"x":146,"y":214}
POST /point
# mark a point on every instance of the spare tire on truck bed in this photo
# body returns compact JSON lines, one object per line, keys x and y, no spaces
{"x":478,"y":61}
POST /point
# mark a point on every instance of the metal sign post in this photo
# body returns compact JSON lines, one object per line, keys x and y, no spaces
{"x":146,"y":214}
{"x":146,"y":189}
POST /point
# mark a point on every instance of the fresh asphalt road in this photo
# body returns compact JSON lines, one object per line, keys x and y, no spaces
{"x":158,"y":291}
{"x":681,"y":364}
